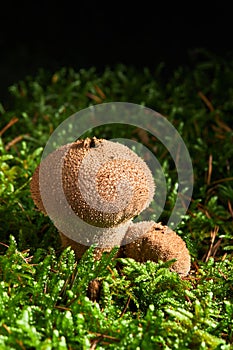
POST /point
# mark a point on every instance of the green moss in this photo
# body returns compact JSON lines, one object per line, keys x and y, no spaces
{"x":43,"y":291}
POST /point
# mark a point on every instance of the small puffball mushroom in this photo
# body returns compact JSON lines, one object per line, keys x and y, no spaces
{"x":104,"y":183}
{"x":153,"y":241}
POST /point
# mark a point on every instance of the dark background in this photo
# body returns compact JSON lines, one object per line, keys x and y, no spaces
{"x":85,"y":34}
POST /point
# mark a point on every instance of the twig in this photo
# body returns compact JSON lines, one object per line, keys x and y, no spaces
{"x":8,"y":125}
{"x":125,"y":308}
{"x":224,"y":126}
{"x":213,"y":235}
{"x":100,"y":92}
{"x":14,"y":141}
{"x":94,"y":343}
{"x":110,"y":337}
{"x":94,"y":97}
{"x":62,"y":308}
{"x":222,"y":274}
{"x":230,"y":207}
{"x":6,"y":328}
{"x":100,"y":338}
{"x":5,"y":245}
{"x":210,"y":169}
{"x":206,"y":101}
{"x":23,"y":210}
{"x":224,"y":257}
{"x":20,"y":344}
{"x":215,"y":247}
{"x":222,"y":180}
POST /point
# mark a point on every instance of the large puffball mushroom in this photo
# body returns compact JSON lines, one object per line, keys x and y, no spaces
{"x":114,"y":184}
{"x":103,"y":183}
{"x":153,"y":241}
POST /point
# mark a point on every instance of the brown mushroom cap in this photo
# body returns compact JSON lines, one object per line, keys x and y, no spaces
{"x":153,"y":241}
{"x":104,"y":182}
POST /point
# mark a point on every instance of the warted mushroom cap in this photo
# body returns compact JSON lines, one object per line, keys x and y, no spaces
{"x":153,"y":241}
{"x":104,"y":182}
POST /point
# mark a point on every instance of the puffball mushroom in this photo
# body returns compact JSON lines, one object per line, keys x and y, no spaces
{"x":153,"y":241}
{"x":105,"y":185}
{"x":103,"y":182}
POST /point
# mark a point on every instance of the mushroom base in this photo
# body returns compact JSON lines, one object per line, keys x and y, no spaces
{"x":79,"y":249}
{"x":108,"y":238}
